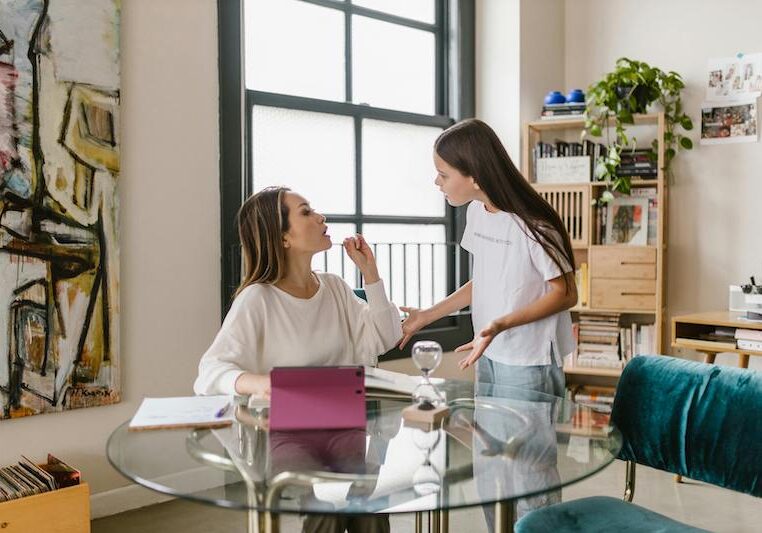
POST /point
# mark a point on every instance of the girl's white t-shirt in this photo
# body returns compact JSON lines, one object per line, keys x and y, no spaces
{"x":511,"y":270}
{"x":267,"y":327}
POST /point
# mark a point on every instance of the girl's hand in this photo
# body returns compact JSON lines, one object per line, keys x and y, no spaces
{"x":361,"y":255}
{"x":416,"y":319}
{"x":479,"y":344}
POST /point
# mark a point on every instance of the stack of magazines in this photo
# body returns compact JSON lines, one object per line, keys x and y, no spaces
{"x":27,"y":478}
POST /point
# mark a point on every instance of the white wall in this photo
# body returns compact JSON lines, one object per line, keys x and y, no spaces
{"x":170,"y":249}
{"x":714,"y":219}
{"x":519,"y":58}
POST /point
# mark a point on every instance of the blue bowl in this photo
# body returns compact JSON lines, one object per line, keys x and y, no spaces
{"x":576,"y":96}
{"x":554,"y":97}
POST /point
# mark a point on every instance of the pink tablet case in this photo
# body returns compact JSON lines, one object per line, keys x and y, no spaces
{"x":328,"y":397}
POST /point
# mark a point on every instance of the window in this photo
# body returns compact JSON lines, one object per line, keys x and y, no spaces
{"x":342,"y":101}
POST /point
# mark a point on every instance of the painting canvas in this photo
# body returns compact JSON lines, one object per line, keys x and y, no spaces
{"x":59,"y":169}
{"x":627,"y":221}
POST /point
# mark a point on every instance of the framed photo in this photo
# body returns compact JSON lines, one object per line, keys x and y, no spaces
{"x":627,"y":221}
{"x":723,"y":123}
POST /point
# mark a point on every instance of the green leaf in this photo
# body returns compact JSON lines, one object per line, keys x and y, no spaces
{"x":686,"y":143}
{"x":606,"y":197}
{"x":595,"y":130}
{"x":686,"y":123}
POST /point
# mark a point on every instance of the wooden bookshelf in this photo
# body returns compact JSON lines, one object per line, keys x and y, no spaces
{"x":624,"y":279}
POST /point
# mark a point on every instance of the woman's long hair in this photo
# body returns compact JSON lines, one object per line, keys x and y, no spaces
{"x":262,"y":221}
{"x":473,"y":148}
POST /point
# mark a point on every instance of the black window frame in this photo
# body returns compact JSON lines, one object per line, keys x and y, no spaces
{"x":454,"y":100}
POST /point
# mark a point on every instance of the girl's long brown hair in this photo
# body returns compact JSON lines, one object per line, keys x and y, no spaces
{"x":473,"y":148}
{"x":262,"y":221}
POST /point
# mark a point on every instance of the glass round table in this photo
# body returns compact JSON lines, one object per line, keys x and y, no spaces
{"x":509,"y":450}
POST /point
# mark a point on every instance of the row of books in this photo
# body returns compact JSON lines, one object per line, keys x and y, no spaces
{"x":728,"y":338}
{"x":603,"y":343}
{"x":27,"y":478}
{"x":598,"y":398}
{"x":640,"y":163}
{"x":598,"y":341}
{"x":560,"y":148}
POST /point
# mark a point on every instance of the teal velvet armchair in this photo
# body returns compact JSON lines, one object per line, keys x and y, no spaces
{"x":697,"y":420}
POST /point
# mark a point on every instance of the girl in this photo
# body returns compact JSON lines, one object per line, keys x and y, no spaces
{"x":523,"y":274}
{"x":286,"y":315}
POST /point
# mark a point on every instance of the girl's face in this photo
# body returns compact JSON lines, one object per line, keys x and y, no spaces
{"x":457,"y":188}
{"x":307,"y":232}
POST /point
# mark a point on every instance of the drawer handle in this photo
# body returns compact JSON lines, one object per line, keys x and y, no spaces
{"x":636,"y":262}
{"x":637,"y":293}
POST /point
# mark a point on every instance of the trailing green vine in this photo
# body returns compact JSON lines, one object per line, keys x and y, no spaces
{"x":629,"y":89}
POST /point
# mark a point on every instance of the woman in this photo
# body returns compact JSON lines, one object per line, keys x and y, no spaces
{"x":284,"y":314}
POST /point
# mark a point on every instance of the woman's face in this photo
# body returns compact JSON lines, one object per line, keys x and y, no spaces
{"x":457,"y":188}
{"x":307,"y":232}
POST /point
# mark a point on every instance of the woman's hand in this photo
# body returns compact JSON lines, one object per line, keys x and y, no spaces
{"x":361,"y":255}
{"x":480,"y":343}
{"x":256,"y":385}
{"x":415,"y":321}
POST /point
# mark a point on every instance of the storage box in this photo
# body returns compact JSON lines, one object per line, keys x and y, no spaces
{"x":568,"y":169}
{"x":58,"y":511}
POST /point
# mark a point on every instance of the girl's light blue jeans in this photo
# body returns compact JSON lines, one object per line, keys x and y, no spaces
{"x":546,"y":379}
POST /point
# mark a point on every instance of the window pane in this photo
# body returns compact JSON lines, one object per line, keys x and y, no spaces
{"x":295,"y":48}
{"x":335,"y":260}
{"x":422,"y":10}
{"x":393,"y":66}
{"x":311,"y":153}
{"x":412,"y":261}
{"x":398,"y":172}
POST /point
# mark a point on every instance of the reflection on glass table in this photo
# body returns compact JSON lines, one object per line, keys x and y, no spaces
{"x":506,"y":449}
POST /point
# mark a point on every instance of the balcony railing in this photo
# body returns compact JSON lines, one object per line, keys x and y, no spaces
{"x":415,"y":274}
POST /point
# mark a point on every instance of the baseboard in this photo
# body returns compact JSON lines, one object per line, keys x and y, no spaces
{"x":135,"y":496}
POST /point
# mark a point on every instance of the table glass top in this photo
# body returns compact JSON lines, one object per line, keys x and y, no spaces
{"x":495,"y":444}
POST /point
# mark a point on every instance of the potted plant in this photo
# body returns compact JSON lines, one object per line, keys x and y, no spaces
{"x":631,"y":88}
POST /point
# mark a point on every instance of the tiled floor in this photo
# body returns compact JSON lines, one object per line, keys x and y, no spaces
{"x":697,"y":504}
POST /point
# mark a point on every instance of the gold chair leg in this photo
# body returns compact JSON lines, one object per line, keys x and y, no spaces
{"x":629,"y":482}
{"x":504,"y":517}
{"x":678,"y":478}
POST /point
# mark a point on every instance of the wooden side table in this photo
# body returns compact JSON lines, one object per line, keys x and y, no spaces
{"x":686,"y":330}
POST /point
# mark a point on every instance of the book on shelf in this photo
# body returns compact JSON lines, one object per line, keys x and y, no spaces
{"x":745,"y":344}
{"x":581,"y":280}
{"x":748,"y":334}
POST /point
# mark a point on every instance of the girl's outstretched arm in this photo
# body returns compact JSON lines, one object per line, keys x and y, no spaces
{"x":420,"y":318}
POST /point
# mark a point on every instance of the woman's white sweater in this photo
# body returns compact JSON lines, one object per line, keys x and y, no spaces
{"x":267,"y":327}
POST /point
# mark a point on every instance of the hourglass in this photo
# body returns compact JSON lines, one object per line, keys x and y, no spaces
{"x":429,"y":404}
{"x":427,"y":355}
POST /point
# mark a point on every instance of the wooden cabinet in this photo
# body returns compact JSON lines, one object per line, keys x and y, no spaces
{"x":624,"y":294}
{"x":629,"y":280}
{"x":59,"y":511}
{"x":623,"y":262}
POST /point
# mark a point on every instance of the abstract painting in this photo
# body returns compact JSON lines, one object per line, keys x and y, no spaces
{"x":59,"y":169}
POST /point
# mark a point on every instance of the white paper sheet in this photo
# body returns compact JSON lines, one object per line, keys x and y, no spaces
{"x":182,"y":411}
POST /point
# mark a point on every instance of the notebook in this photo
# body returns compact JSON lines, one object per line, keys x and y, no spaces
{"x":183,"y":412}
{"x":325,"y":397}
